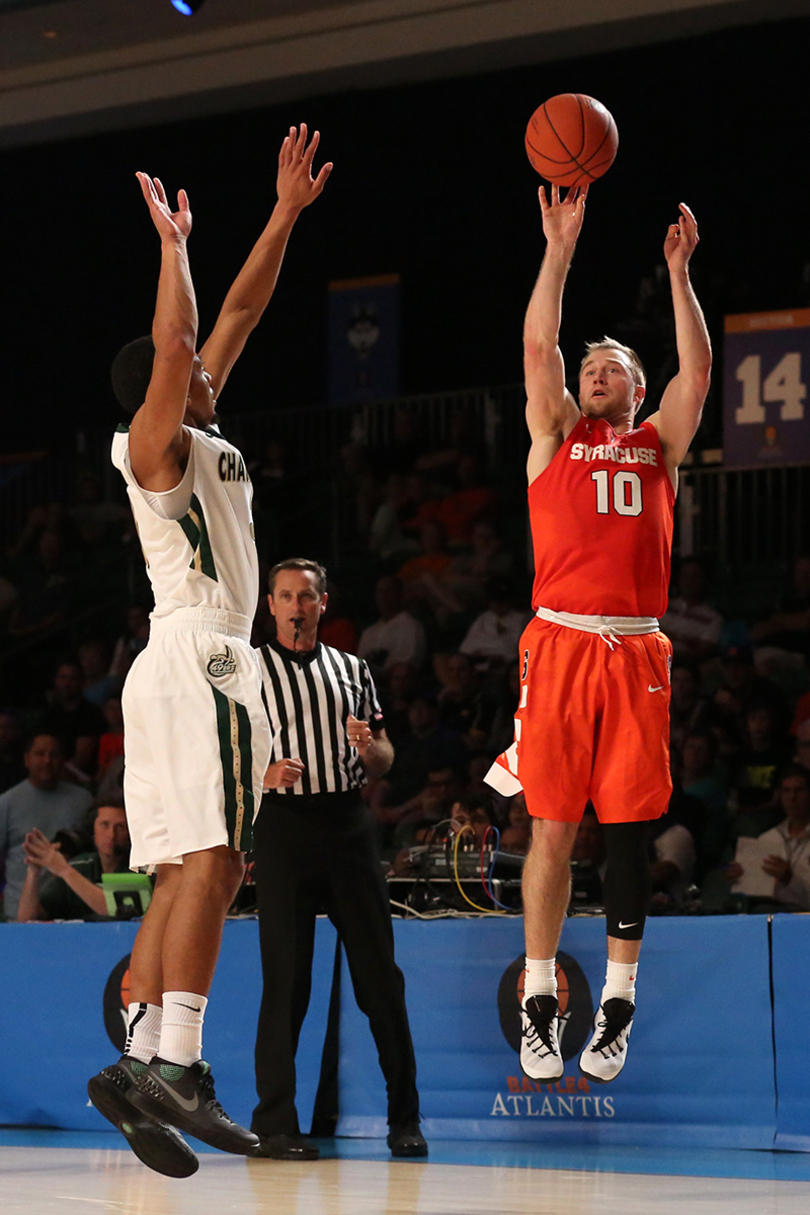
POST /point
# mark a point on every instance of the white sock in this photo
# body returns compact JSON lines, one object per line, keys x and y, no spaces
{"x":143,"y":1033}
{"x":620,"y":981}
{"x":181,"y":1032}
{"x":540,"y":978}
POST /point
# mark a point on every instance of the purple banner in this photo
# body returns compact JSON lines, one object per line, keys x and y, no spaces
{"x":766,"y":367}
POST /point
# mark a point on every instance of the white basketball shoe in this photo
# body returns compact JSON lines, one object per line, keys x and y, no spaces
{"x":604,"y":1056}
{"x":540,"y":1055}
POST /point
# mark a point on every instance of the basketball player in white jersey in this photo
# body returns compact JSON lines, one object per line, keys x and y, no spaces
{"x":197,"y":736}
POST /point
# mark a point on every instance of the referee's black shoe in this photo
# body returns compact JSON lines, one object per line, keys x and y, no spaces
{"x":157,"y":1145}
{"x":286,"y":1147}
{"x":185,"y":1098}
{"x":405,"y":1139}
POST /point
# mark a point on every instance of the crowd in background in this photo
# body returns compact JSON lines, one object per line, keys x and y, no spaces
{"x":433,"y":592}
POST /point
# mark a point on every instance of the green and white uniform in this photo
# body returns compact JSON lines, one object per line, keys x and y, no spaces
{"x":196,"y":736}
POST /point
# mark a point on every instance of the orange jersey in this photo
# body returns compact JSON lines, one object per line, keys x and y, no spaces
{"x":601,"y":517}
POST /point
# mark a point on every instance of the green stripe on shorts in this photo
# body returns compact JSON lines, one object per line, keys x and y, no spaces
{"x":233,"y":728}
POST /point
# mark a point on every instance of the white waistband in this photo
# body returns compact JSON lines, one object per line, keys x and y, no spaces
{"x":613,"y":626}
{"x":203,"y":620}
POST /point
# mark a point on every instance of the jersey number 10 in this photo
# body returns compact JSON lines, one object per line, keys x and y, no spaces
{"x":626,"y":492}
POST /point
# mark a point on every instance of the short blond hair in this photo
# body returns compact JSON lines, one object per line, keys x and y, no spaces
{"x":607,"y":343}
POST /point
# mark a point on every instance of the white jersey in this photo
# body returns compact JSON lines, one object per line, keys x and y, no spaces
{"x":197,"y":538}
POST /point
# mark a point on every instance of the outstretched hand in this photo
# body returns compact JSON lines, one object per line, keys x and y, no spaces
{"x":681,"y":240}
{"x":295,"y":184}
{"x":40,"y":853}
{"x":170,"y":224}
{"x":562,"y":218}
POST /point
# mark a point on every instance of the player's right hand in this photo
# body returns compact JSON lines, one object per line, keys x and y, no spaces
{"x":170,"y":224}
{"x":283,"y":774}
{"x":562,"y":218}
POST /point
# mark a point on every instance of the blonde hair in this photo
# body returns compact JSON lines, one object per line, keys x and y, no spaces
{"x":607,"y":343}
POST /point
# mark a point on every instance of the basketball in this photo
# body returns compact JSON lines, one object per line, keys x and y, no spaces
{"x":571,"y":140}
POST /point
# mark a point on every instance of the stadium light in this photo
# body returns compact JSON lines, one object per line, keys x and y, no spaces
{"x":188,"y":7}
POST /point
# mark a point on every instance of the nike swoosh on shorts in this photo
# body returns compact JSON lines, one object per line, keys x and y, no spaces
{"x":650,"y":688}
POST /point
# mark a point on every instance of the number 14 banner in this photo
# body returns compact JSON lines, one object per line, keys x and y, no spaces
{"x":765,"y":372}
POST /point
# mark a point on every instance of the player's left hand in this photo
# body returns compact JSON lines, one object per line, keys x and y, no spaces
{"x":295,"y":184}
{"x":681,"y":240}
{"x":777,"y":867}
{"x":172,"y":225}
{"x":358,"y":734}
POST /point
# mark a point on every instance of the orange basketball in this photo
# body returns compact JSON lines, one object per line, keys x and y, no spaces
{"x":571,"y":140}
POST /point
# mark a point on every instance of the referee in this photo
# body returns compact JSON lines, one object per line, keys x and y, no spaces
{"x":315,"y":849}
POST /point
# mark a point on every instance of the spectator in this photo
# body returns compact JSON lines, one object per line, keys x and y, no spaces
{"x":430,"y":564}
{"x":95,"y":521}
{"x":672,"y":860}
{"x":396,"y":694}
{"x":396,"y":636}
{"x":473,"y":810}
{"x":743,"y":688}
{"x":73,"y":890}
{"x":111,"y":743}
{"x":493,"y":637}
{"x":131,"y":642}
{"x":701,"y":777}
{"x":487,"y":560}
{"x":76,"y":722}
{"x":506,"y":695}
{"x":386,"y":538}
{"x":460,"y":701}
{"x":430,"y":746}
{"x":471,"y":501}
{"x":46,"y":590}
{"x":12,"y":767}
{"x":336,"y":629}
{"x":789,"y":628}
{"x":763,"y":756}
{"x":43,"y":800}
{"x":97,"y":683}
{"x":688,"y":710}
{"x":692,"y":626}
{"x":517,"y":834}
{"x":802,"y":756}
{"x":434,"y":802}
{"x":789,"y":863}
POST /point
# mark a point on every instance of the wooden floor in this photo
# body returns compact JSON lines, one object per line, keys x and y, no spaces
{"x":55,"y":1180}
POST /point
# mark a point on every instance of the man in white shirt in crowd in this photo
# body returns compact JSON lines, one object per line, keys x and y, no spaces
{"x":493,"y":636}
{"x":692,"y":626}
{"x":789,"y":861}
{"x":397,"y":636}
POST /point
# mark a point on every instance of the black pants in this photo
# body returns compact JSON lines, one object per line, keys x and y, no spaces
{"x":319,"y":854}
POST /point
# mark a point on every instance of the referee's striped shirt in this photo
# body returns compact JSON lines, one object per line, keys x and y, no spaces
{"x":308,"y":697}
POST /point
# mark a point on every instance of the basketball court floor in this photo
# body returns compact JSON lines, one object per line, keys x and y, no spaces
{"x":78,"y":1173}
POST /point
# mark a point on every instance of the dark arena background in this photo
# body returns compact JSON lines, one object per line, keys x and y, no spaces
{"x":431,"y":212}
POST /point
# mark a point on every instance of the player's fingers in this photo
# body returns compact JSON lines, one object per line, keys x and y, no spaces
{"x":313,"y":144}
{"x":301,"y":142}
{"x":161,"y":193}
{"x":555,"y":195}
{"x":320,"y":180}
{"x":541,"y":194}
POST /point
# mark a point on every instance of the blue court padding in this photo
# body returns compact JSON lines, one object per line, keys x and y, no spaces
{"x":52,"y":1024}
{"x":791,"y":994}
{"x":703,"y":990}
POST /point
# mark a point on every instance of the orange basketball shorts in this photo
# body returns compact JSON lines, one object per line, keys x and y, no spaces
{"x":593,"y":722}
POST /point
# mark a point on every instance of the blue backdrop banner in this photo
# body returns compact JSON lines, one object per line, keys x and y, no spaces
{"x":61,"y":1018}
{"x":790,"y":945}
{"x":703,"y":989}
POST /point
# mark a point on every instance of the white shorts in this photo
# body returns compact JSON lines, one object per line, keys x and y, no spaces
{"x":197,"y":739}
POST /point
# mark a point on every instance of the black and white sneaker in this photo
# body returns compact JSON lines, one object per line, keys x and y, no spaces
{"x":540,"y":1055}
{"x":604,"y":1056}
{"x":157,"y":1145}
{"x":185,"y":1098}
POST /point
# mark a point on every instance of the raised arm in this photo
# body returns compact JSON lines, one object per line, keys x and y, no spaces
{"x":551,"y":411}
{"x":157,"y":441}
{"x":681,"y":407}
{"x":256,"y":281}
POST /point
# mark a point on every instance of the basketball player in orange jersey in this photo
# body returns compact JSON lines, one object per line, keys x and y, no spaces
{"x":593,"y":719}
